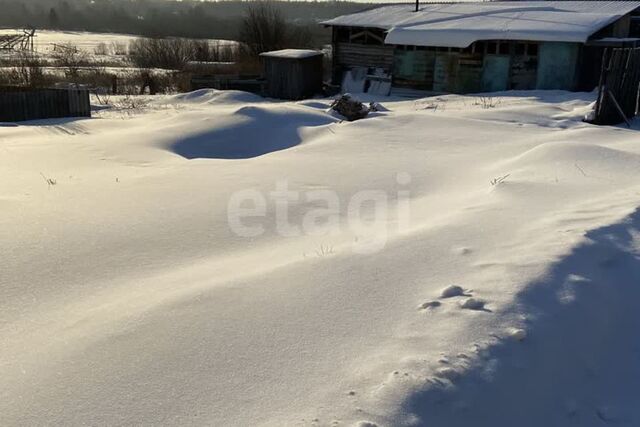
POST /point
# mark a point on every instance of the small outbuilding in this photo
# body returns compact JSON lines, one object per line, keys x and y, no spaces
{"x":292,"y":73}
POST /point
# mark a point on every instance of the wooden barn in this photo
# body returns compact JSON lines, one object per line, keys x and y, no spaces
{"x":292,"y":73}
{"x":480,"y":46}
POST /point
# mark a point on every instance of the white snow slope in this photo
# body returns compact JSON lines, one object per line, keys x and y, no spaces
{"x":126,"y":298}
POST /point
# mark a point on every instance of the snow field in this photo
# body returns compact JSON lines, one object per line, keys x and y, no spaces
{"x":126,"y":298}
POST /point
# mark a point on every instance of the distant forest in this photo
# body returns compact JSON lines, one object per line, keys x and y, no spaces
{"x":158,"y":18}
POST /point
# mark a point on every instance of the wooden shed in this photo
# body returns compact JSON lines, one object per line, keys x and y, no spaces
{"x":292,"y":73}
{"x":479,"y":46}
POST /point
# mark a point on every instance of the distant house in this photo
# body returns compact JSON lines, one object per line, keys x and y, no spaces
{"x":481,"y":46}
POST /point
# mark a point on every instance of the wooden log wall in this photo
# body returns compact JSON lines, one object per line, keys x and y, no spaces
{"x":362,"y":55}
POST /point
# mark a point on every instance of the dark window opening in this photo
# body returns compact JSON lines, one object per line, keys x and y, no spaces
{"x":342,"y":34}
{"x":634,"y":29}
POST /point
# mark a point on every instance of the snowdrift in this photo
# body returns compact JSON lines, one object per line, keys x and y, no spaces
{"x":250,"y":132}
{"x":507,"y":298}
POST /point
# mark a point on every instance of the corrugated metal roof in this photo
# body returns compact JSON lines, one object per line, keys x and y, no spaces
{"x":460,"y":24}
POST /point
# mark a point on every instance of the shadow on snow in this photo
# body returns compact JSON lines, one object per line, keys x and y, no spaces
{"x":579,"y":365}
{"x":254,"y":132}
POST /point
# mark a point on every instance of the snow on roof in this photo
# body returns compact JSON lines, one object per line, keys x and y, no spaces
{"x":460,"y":24}
{"x":618,"y":39}
{"x":292,"y":53}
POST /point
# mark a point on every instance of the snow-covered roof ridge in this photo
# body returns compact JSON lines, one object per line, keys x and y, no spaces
{"x":292,"y":53}
{"x":460,"y":24}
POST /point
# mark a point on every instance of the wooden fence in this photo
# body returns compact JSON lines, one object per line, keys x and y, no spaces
{"x":619,"y":88}
{"x":19,"y":103}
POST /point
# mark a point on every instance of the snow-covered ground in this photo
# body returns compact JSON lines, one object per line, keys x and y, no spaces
{"x":480,"y":267}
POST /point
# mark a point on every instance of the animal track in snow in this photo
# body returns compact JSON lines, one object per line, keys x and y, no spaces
{"x":453,"y":291}
{"x":473,"y":304}
{"x":429,"y":305}
{"x":447,"y":373}
{"x":518,"y":334}
{"x":462,"y":250}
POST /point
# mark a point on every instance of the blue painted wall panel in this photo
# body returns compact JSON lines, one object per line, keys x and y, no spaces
{"x":557,"y":65}
{"x":495,"y":74}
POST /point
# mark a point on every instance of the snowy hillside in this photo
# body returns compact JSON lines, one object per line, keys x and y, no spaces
{"x":89,"y":42}
{"x":176,"y":262}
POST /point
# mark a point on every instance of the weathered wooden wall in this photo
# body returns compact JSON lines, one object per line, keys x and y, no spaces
{"x":414,"y":68}
{"x":523,"y":70}
{"x":20,"y":104}
{"x":619,"y":88}
{"x":293,"y":78}
{"x":485,"y":66}
{"x":469,"y":77}
{"x":362,"y":55}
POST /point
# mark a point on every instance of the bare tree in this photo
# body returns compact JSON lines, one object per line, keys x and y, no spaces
{"x":26,"y":70}
{"x":69,"y":57}
{"x":173,"y":54}
{"x":264,"y":28}
{"x":101,"y":49}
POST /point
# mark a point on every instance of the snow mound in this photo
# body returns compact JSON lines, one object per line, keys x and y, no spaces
{"x":210,"y":96}
{"x":251,"y":131}
{"x":126,"y":287}
{"x":586,"y":159}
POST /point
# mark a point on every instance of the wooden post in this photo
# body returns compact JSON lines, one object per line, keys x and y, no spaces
{"x":637,"y":112}
{"x":615,"y":102}
{"x":600,"y":98}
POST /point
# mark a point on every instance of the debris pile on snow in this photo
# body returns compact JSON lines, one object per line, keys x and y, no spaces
{"x":350,"y":108}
